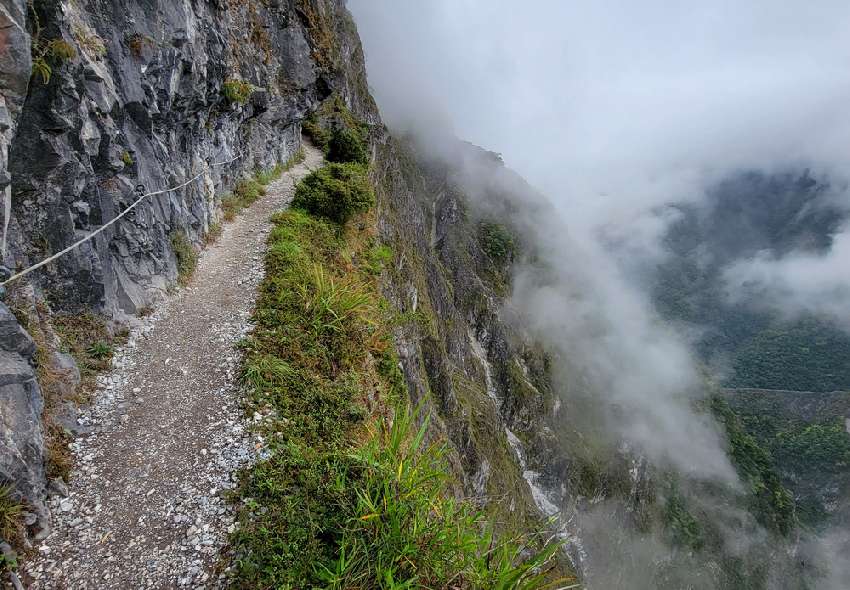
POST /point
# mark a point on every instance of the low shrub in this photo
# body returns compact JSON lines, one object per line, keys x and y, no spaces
{"x":346,"y":145}
{"x":497,"y":241}
{"x":336,"y":191}
{"x":320,"y":136}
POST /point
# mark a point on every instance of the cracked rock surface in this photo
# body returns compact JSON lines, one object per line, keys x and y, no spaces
{"x":165,"y":436}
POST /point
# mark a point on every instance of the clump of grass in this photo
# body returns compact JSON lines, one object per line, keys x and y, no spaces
{"x":406,"y":530}
{"x":11,"y":525}
{"x":350,"y":495}
{"x":296,"y":158}
{"x":335,"y":191}
{"x":86,"y":337}
{"x":379,"y":256}
{"x":266,"y":177}
{"x":231,"y":206}
{"x":127,"y":158}
{"x":213,"y":233}
{"x":237,"y":91}
{"x":247,"y":191}
{"x":187,"y":256}
{"x":89,"y":41}
{"x":99,"y":350}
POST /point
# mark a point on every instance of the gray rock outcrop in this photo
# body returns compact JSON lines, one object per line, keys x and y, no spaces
{"x":21,"y":405}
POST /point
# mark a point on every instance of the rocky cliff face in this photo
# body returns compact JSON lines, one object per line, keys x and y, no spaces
{"x":123,"y":98}
{"x":21,"y":405}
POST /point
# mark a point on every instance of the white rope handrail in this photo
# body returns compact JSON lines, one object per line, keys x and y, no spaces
{"x":110,"y":222}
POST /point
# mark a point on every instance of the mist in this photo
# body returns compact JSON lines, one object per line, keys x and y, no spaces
{"x":614,"y":110}
{"x":798,"y":283}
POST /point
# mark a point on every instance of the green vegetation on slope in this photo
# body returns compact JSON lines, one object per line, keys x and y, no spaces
{"x":746,"y":214}
{"x":771,"y":503}
{"x":337,"y":132}
{"x":187,"y":256}
{"x":497,"y":241}
{"x":808,"y":354}
{"x":346,"y":145}
{"x":350,"y":495}
{"x":10,"y":516}
{"x":809,"y":444}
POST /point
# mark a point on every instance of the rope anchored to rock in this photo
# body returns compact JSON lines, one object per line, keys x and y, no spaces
{"x":139,"y":188}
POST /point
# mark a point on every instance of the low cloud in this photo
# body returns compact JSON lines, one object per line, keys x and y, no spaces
{"x":797,"y":283}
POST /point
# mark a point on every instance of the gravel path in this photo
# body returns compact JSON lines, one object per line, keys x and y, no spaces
{"x":145,"y":506}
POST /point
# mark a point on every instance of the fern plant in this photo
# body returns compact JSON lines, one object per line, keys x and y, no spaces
{"x":47,"y":53}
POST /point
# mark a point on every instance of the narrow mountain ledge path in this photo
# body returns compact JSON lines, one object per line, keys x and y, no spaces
{"x":145,"y":506}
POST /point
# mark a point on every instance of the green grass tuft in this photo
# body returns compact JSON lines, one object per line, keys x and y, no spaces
{"x":11,"y":526}
{"x":99,"y":350}
{"x":187,"y":256}
{"x":237,"y":91}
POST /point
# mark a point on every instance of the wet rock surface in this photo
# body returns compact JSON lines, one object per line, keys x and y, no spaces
{"x":145,"y":505}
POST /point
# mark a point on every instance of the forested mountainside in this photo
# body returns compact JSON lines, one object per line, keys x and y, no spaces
{"x":786,"y":374}
{"x":807,"y":436}
{"x":751,"y":345}
{"x":422,"y":242}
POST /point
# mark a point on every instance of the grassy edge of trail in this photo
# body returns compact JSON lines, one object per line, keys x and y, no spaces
{"x":349,"y":494}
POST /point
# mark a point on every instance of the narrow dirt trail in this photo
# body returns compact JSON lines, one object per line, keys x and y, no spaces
{"x":144,"y":508}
